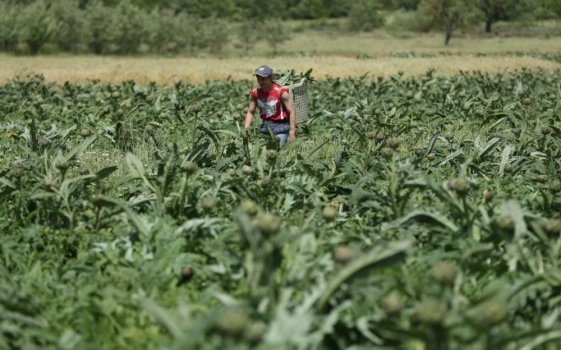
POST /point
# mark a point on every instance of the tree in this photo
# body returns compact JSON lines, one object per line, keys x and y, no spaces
{"x":130,"y":28}
{"x":521,"y":10}
{"x":492,"y":11}
{"x":247,"y":34}
{"x":168,"y":31}
{"x":554,"y":6}
{"x":447,"y":15}
{"x":261,"y":10}
{"x":365,"y":15}
{"x":37,"y":26}
{"x":9,"y":35}
{"x":338,"y":8}
{"x":100,"y":26}
{"x":310,"y":9}
{"x":208,"y":8}
{"x":275,"y":32}
{"x":408,"y":5}
{"x":70,"y":24}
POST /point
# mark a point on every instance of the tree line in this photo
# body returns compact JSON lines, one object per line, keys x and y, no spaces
{"x":123,"y":26}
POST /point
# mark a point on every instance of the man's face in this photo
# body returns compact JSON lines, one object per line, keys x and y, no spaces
{"x":264,"y":81}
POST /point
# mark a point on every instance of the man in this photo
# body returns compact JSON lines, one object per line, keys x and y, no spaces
{"x":275,"y":105}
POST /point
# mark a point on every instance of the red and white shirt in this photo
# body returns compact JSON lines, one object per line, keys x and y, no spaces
{"x":270,"y":103}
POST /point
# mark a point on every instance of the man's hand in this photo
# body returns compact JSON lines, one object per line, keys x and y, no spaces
{"x":292,"y":135}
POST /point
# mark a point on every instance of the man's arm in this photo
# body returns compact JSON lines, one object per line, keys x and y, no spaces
{"x":250,"y":112}
{"x":289,"y":105}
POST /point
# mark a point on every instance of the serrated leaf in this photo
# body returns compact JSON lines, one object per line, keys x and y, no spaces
{"x":505,"y":156}
{"x":80,"y":148}
{"x":7,"y":182}
{"x":105,"y":172}
{"x":165,"y":317}
{"x":135,"y":165}
{"x":489,"y":147}
{"x":379,"y":256}
{"x":426,"y":217}
{"x":450,"y":157}
{"x":69,"y":340}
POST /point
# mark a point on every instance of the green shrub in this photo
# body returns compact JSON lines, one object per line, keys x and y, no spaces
{"x":9,"y":35}
{"x":130,"y":27}
{"x":211,"y":33}
{"x":168,"y":31}
{"x":69,"y":20}
{"x":365,"y":16}
{"x":275,"y":32}
{"x":36,"y":26}
{"x":100,"y":27}
{"x":248,"y":34}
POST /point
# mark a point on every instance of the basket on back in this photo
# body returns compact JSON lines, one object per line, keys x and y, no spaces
{"x":299,"y":95}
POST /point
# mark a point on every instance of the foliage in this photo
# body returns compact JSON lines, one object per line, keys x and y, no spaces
{"x":100,"y":27}
{"x":275,"y":32}
{"x":70,"y":25}
{"x":130,"y":29}
{"x":212,"y":33}
{"x":168,"y":31}
{"x":365,"y":16}
{"x":8,"y":27}
{"x":136,"y":26}
{"x":208,"y":8}
{"x":248,"y":34}
{"x":37,"y":26}
{"x":553,"y":6}
{"x":261,"y":10}
{"x":447,"y":15}
{"x":410,"y":212}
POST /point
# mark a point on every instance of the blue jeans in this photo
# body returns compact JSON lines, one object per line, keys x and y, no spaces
{"x":283,"y":138}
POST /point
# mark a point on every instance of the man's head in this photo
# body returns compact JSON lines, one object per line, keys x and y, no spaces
{"x":264,"y":75}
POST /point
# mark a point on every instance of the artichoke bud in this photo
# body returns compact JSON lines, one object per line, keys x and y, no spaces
{"x":249,"y":207}
{"x":208,"y":203}
{"x":268,"y":224}
{"x":343,"y":254}
{"x":329,"y":213}
{"x":444,"y":272}
{"x":552,"y":226}
{"x":431,"y":311}
{"x":392,"y":304}
{"x":189,"y":167}
{"x":233,"y":322}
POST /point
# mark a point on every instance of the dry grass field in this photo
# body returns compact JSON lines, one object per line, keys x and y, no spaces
{"x":327,"y":55}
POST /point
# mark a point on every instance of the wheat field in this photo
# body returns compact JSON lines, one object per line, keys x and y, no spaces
{"x":164,"y":71}
{"x":327,"y":55}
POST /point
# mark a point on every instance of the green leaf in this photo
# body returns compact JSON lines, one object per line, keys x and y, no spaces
{"x":429,"y":218}
{"x":69,"y":340}
{"x":135,"y":165}
{"x":450,"y":157}
{"x":164,"y":317}
{"x":80,"y":148}
{"x":7,"y":182}
{"x":505,"y":159}
{"x":105,"y":172}
{"x":489,"y":147}
{"x":378,"y":257}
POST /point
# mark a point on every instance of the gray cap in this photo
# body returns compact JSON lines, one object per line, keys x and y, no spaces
{"x":264,"y":71}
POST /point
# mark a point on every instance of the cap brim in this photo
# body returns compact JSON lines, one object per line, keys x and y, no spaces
{"x":261,"y":75}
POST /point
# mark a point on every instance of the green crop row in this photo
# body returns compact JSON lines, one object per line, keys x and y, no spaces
{"x":409,"y":213}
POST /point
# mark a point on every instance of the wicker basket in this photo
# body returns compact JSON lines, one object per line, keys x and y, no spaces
{"x":299,"y":94}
